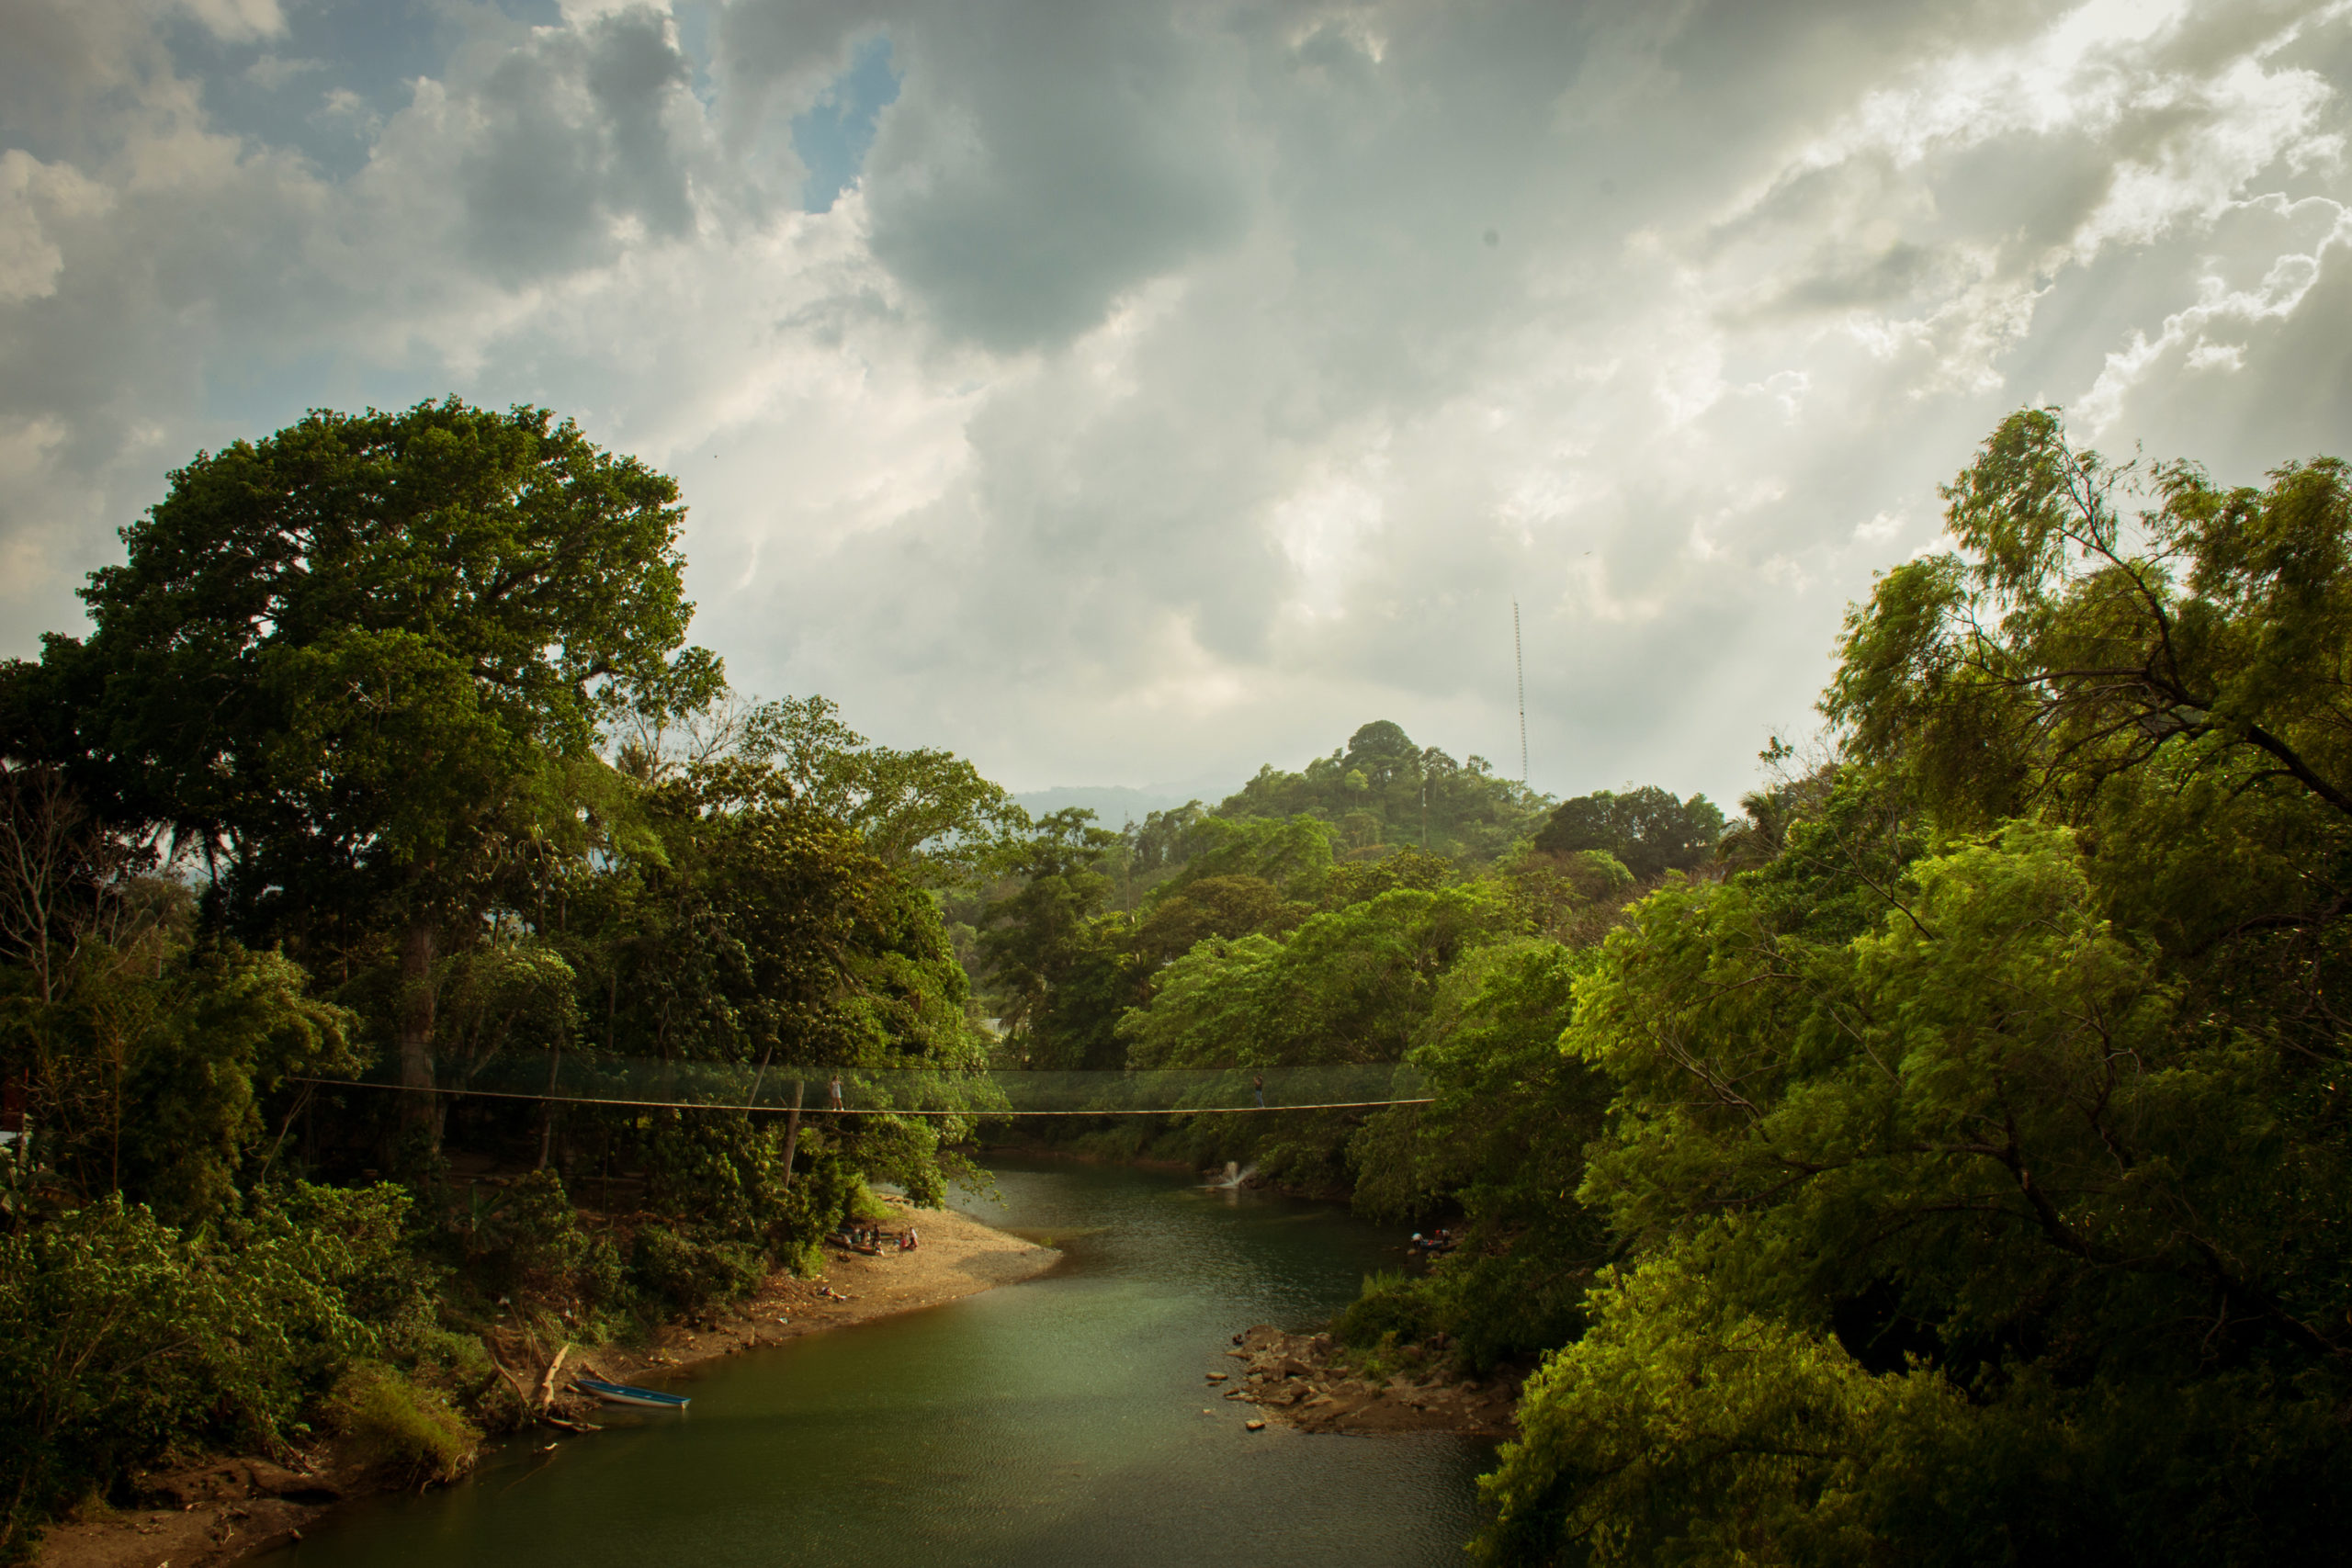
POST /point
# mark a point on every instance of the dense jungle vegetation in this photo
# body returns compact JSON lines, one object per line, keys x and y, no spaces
{"x":1944,"y":1161}
{"x":386,"y":746}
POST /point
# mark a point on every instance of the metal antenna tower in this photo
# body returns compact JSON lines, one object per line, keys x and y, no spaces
{"x":1519,"y":660}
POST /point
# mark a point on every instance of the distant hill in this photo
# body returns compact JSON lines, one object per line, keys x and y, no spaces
{"x":1115,"y":805}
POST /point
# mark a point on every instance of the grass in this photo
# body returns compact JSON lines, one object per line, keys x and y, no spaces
{"x":401,"y":1431}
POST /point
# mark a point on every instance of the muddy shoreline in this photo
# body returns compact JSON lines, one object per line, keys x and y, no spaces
{"x":227,"y":1509}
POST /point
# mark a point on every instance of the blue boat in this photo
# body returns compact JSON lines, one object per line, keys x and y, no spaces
{"x":628,"y":1394}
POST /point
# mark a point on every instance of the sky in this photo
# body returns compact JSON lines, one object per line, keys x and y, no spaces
{"x":1133,"y":394}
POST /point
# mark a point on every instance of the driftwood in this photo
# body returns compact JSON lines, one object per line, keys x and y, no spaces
{"x":547,"y":1379}
{"x":512,"y":1381}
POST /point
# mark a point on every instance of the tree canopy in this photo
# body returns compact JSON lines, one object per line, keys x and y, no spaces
{"x":1975,"y":1159}
{"x":1647,"y":830}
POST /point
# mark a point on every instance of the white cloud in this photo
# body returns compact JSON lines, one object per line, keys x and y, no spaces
{"x":1158,"y":400}
{"x":238,"y":20}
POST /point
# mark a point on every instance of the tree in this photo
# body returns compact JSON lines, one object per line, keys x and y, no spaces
{"x":1647,"y":829}
{"x":1971,"y":1167}
{"x":1383,"y":792}
{"x":1348,"y":987}
{"x":1062,"y":967}
{"x":1978,"y":1151}
{"x":1504,"y":1137}
{"x":2186,"y":662}
{"x":358,"y":664}
{"x":927,"y":810}
{"x":2070,"y":640}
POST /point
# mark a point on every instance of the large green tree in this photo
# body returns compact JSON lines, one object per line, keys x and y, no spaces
{"x":361,"y":665}
{"x":1647,"y":829}
{"x":1062,"y":968}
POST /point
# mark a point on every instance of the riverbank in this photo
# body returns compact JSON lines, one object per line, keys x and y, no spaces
{"x":211,"y":1514}
{"x":1304,"y":1381}
{"x":959,"y":1256}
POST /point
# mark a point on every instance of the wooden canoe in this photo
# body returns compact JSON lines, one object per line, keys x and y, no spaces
{"x":628,"y":1393}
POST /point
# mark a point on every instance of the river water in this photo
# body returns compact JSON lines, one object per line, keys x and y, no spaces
{"x":1059,"y":1421}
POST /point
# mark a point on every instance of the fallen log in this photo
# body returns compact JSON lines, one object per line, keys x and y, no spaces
{"x":547,"y":1379}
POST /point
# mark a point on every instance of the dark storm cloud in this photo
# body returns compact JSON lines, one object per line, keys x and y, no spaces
{"x":1045,"y":159}
{"x":575,"y":137}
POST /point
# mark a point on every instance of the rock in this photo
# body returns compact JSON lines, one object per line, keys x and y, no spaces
{"x":1219,"y":1377}
{"x":1254,"y":1425}
{"x":276,"y":1481}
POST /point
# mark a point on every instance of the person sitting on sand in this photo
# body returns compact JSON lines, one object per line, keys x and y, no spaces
{"x":912,"y":1240}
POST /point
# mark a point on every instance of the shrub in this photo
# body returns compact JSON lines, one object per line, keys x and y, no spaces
{"x":400,"y":1431}
{"x":1393,"y":1306}
{"x":120,"y":1339}
{"x":530,"y":1236}
{"x":686,"y":1273}
{"x":603,"y":1276}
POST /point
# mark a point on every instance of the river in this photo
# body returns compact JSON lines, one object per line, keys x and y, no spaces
{"x":1059,"y":1421}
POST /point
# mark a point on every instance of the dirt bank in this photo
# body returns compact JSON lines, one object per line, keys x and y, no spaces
{"x":1297,"y":1378}
{"x":217,"y":1513}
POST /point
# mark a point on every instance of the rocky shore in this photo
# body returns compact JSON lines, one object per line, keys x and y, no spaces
{"x":210,"y":1515}
{"x":1302,"y":1381}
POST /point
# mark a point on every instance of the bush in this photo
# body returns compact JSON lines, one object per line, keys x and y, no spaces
{"x":1394,"y":1305}
{"x":121,"y":1339}
{"x":603,"y":1276}
{"x":529,"y":1237}
{"x":401,"y":1431}
{"x":864,"y":1205}
{"x":686,"y":1273}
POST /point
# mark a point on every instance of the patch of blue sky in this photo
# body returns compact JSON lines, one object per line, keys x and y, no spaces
{"x":341,"y":67}
{"x":696,"y":41}
{"x":322,"y":85}
{"x":833,"y":135}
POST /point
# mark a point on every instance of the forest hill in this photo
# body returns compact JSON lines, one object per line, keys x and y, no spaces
{"x":1942,"y":1162}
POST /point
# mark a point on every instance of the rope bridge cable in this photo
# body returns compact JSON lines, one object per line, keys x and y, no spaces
{"x":571,"y":1078}
{"x":978,"y":1114}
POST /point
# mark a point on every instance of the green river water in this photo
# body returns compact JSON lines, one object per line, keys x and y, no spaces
{"x":1056,"y":1421}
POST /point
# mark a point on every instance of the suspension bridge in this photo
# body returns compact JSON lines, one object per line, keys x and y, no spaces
{"x":644,"y":1084}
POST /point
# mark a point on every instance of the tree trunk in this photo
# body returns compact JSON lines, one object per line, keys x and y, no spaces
{"x":547,"y":1107}
{"x":792,"y":1133}
{"x":420,"y":1108}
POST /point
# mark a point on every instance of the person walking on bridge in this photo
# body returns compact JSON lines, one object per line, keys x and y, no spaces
{"x":834,"y":1089}
{"x":1258,"y":1084}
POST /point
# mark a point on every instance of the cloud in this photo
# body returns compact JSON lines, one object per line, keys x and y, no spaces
{"x":1168,"y":387}
{"x":575,"y":143}
{"x":1042,"y":161}
{"x":237,"y":20}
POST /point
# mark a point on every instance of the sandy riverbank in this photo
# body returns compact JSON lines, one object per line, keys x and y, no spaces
{"x":218,"y":1513}
{"x":959,"y":1256}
